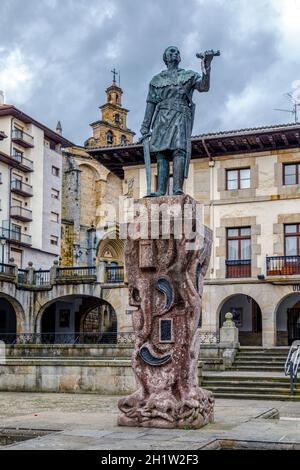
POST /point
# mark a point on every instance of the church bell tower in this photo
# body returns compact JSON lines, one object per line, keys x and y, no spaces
{"x":112,"y":128}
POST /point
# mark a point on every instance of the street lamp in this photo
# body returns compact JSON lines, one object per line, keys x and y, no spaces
{"x":3,"y":243}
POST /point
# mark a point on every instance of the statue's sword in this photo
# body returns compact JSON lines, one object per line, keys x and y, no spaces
{"x":147,"y":159}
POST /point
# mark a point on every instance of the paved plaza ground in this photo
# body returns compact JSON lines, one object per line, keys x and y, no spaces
{"x":90,"y":422}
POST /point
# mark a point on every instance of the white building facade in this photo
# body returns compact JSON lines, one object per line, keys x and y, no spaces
{"x":30,"y":189}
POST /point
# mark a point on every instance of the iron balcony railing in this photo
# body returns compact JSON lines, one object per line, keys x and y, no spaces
{"x":22,"y":188}
{"x":238,"y":268}
{"x":22,"y":276}
{"x":16,"y":236}
{"x":22,"y":161}
{"x":7,"y":269}
{"x":42,"y":278}
{"x":21,"y":213}
{"x":23,"y":138}
{"x":78,"y":272}
{"x":283,"y":265}
{"x":114,"y":274}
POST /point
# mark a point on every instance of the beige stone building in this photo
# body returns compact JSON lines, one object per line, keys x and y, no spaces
{"x":249,"y":184}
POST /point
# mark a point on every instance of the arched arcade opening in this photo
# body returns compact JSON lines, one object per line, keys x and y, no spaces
{"x":8,"y":322}
{"x":288,"y":320}
{"x":247,"y":317}
{"x":78,"y":320}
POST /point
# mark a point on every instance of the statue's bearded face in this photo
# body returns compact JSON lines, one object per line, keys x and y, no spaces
{"x":172,"y":55}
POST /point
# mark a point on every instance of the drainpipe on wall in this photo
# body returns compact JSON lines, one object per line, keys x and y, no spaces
{"x":211,"y":164}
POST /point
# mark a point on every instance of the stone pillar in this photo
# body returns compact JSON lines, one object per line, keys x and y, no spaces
{"x":14,"y":268}
{"x":53,"y":272}
{"x":165,"y":282}
{"x":101,"y":272}
{"x":229,"y":339}
{"x":268,"y":330}
{"x":30,"y":274}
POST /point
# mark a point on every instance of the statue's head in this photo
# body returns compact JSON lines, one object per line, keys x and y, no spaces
{"x":171,"y":55}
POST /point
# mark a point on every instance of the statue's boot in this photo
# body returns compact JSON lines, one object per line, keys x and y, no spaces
{"x":162,"y":176}
{"x":178,"y":174}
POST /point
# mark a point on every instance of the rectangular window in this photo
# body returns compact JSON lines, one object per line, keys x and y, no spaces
{"x":292,"y":239}
{"x":54,"y":240}
{"x":238,"y":179}
{"x":54,"y":194}
{"x":55,"y":171}
{"x":17,"y":256}
{"x":238,"y":252}
{"x":291,"y":174}
{"x":54,"y":217}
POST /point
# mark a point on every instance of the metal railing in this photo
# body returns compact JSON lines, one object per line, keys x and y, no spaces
{"x":18,"y":134}
{"x":78,"y":272}
{"x":42,"y":278}
{"x":20,"y":186}
{"x":292,"y":364}
{"x":60,"y":338}
{"x":283,"y":265}
{"x":22,"y":276}
{"x":7,"y":269}
{"x":16,"y":236}
{"x":238,"y":268}
{"x":20,"y":213}
{"x":25,"y":162}
{"x":114,"y":274}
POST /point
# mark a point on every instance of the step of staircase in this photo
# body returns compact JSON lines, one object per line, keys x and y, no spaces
{"x":256,"y":374}
{"x":254,"y":396}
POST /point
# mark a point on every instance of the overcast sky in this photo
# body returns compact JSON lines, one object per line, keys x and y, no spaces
{"x":56,"y":57}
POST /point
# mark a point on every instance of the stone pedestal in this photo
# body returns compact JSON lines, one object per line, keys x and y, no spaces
{"x":165,"y":275}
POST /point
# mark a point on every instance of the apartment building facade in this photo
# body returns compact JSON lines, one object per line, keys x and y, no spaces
{"x":249,"y":184}
{"x":30,"y":189}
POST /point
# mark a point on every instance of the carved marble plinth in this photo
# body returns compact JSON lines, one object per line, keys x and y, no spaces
{"x":165,"y":277}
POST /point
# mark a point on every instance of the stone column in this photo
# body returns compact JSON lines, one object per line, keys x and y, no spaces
{"x":268,"y":329}
{"x":165,"y":281}
{"x":53,"y":272}
{"x":101,"y":274}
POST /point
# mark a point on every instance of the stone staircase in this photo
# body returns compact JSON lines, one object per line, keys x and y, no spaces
{"x":257,"y":373}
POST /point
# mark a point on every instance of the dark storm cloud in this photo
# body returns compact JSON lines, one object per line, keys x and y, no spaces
{"x":56,"y":57}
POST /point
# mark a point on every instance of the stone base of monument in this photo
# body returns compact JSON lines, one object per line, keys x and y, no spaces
{"x":166,"y":259}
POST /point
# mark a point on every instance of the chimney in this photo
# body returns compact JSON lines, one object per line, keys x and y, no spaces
{"x":1,"y":97}
{"x":59,"y":128}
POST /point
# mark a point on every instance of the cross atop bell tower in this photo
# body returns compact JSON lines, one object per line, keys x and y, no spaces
{"x":115,"y":73}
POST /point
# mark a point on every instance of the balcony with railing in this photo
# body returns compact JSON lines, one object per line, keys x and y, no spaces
{"x":114,"y":274}
{"x":21,"y":162}
{"x":22,"y":138}
{"x":21,"y":188}
{"x":7,"y":270}
{"x":80,"y":274}
{"x":238,"y":268}
{"x":21,"y":213}
{"x":283,"y":265}
{"x":17,"y":237}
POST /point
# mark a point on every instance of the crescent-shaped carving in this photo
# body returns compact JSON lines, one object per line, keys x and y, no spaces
{"x":164,"y":286}
{"x":147,"y":357}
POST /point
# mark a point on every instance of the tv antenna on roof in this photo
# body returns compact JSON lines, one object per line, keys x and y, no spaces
{"x":293,"y":97}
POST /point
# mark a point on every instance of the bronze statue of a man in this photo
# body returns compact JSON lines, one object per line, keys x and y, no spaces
{"x":169,"y":118}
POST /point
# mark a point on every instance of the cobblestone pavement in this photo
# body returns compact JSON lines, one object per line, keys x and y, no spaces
{"x":90,"y":422}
